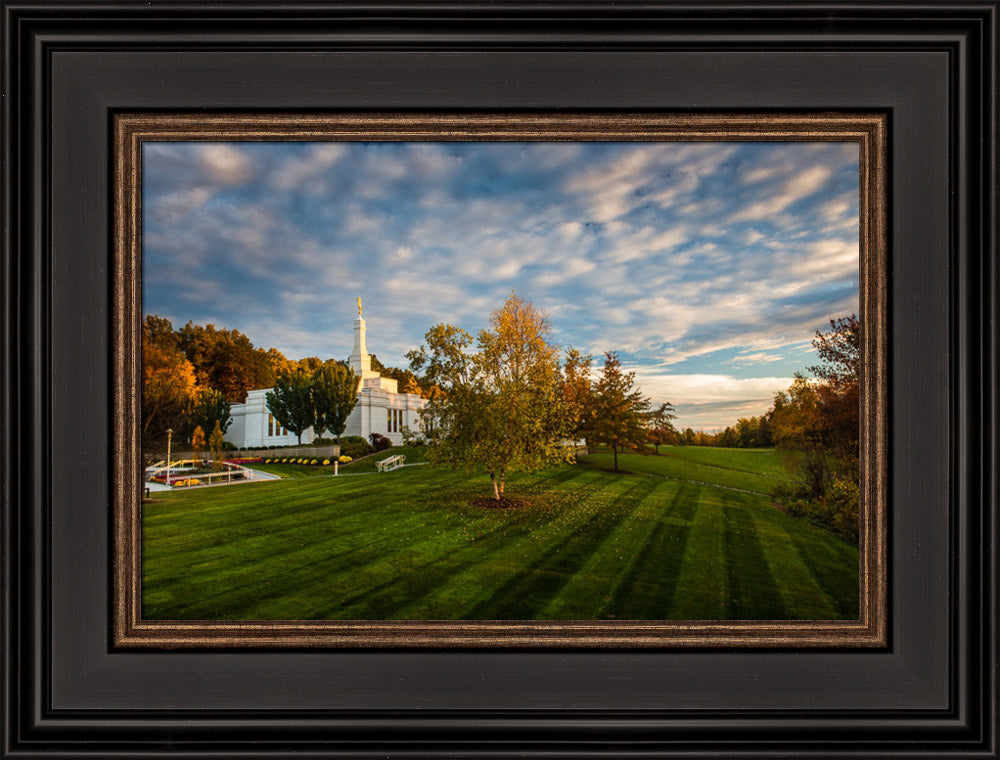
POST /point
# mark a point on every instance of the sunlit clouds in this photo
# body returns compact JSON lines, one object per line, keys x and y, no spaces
{"x":707,"y":266}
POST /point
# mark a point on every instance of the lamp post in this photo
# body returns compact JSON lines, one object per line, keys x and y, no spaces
{"x":170,"y":435}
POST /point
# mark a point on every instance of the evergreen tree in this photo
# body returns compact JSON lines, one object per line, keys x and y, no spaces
{"x":661,"y":427}
{"x":619,"y":411}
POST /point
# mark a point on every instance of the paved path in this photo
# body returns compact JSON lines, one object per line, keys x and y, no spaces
{"x":258,"y":476}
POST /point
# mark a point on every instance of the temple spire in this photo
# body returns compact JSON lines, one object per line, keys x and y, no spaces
{"x":360,"y":361}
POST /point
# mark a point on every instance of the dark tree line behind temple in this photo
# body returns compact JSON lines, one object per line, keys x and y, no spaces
{"x":192,"y":375}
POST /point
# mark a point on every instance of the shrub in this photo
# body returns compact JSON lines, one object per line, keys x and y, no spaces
{"x":842,"y":502}
{"x":326,"y":461}
{"x":355,"y":446}
{"x":380,"y":442}
{"x":837,"y":510}
{"x":344,"y":459}
{"x":321,"y":441}
{"x":313,"y":461}
{"x":412,"y":437}
{"x":230,"y":446}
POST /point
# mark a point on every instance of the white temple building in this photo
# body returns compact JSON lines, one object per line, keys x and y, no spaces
{"x":381,"y":407}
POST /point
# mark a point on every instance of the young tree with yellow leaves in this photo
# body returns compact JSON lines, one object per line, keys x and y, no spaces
{"x":215,"y":442}
{"x":500,"y":407}
{"x":197,"y":444}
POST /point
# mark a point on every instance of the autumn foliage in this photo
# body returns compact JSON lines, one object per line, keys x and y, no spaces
{"x":817,"y":422}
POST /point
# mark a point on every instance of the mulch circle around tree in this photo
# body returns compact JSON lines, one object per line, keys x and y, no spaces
{"x":503,"y":503}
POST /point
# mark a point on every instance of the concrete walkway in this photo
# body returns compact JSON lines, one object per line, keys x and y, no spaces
{"x":257,"y":477}
{"x":260,"y":476}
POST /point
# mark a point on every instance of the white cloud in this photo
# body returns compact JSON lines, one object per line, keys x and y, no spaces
{"x":828,"y":258}
{"x":171,"y":208}
{"x":317,"y":159}
{"x":801,"y":186}
{"x":761,"y":357}
{"x":226,"y":164}
{"x":710,"y":400}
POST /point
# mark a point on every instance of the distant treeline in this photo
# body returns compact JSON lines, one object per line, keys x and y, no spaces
{"x":751,"y":433}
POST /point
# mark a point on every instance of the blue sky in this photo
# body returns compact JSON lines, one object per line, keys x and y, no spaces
{"x":707,"y":266}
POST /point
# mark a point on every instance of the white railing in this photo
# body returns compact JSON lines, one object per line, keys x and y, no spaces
{"x":391,"y":463}
{"x":189,"y":472}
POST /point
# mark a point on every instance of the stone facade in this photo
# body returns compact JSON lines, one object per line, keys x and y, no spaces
{"x":381,"y":407}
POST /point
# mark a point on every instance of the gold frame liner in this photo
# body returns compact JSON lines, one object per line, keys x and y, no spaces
{"x":131,"y":631}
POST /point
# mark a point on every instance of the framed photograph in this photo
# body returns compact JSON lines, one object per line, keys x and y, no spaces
{"x":398,"y":380}
{"x":737,"y":536}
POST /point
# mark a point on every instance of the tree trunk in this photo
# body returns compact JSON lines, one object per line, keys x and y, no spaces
{"x":496,"y":489}
{"x":614,"y":448}
{"x":502,"y":478}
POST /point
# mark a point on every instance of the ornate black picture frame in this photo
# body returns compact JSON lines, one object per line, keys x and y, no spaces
{"x":69,"y":68}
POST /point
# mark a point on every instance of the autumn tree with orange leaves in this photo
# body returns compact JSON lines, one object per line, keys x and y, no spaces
{"x":168,"y":382}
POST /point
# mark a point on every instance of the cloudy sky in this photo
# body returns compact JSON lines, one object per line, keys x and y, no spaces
{"x":707,"y":266}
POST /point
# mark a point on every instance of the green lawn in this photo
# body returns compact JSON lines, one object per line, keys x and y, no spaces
{"x":413,"y":454}
{"x":660,"y":542}
{"x":735,"y":468}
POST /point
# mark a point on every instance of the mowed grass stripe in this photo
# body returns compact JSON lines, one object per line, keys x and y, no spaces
{"x":235,"y":514}
{"x":256,"y":528}
{"x":672,"y":467}
{"x":237,"y":588}
{"x":534,"y":584}
{"x":611,"y":564}
{"x":498,"y":577}
{"x":832,"y":564}
{"x":753,"y":592}
{"x":702,"y":590}
{"x":645,"y":589}
{"x":263,"y":564}
{"x":759,"y":461}
{"x":794,"y":579}
{"x":386,"y":589}
{"x":503,"y":554}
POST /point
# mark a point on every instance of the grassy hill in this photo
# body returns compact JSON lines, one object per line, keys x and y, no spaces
{"x":684,"y":535}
